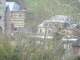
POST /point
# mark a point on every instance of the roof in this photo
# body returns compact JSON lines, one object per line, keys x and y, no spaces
{"x":12,"y":6}
{"x":42,"y":24}
{"x":57,"y":18}
{"x":61,"y":19}
{"x":76,"y":43}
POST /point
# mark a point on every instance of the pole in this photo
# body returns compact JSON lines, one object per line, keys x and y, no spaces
{"x":43,"y":46}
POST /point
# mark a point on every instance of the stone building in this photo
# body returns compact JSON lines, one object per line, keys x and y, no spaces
{"x":52,"y":25}
{"x":15,"y":17}
{"x":2,"y":16}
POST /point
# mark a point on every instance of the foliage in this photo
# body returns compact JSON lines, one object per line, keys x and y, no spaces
{"x":5,"y":49}
{"x":31,"y":48}
{"x":15,"y":56}
{"x":53,"y":7}
{"x":76,"y":31}
{"x":40,"y":10}
{"x":57,"y":34}
{"x":76,"y":58}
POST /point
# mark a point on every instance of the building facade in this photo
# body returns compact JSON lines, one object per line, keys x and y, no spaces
{"x":2,"y":16}
{"x":15,"y":17}
{"x":18,"y":18}
{"x":76,"y":47}
{"x":53,"y":25}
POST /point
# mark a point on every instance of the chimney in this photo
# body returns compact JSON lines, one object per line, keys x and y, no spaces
{"x":21,"y":5}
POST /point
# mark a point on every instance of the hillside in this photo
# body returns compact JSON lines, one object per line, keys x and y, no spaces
{"x":39,"y":10}
{"x":53,"y":7}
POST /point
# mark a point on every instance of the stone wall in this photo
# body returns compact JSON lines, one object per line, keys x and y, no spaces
{"x":2,"y":14}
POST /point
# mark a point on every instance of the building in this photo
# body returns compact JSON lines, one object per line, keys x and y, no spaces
{"x":2,"y":16}
{"x":78,"y":19}
{"x":15,"y":17}
{"x":52,"y":25}
{"x":76,"y":47}
{"x":18,"y":18}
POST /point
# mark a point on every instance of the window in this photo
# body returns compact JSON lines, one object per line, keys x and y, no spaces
{"x":40,"y":30}
{"x":66,"y":25}
{"x":45,"y":24}
{"x":49,"y":31}
{"x":0,"y":30}
{"x":15,"y":29}
{"x":19,"y":15}
{"x":0,"y":17}
{"x":51,"y":25}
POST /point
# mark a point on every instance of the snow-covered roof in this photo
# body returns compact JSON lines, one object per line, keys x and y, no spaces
{"x":57,"y":18}
{"x":42,"y":24}
{"x":61,"y":19}
{"x":12,"y":6}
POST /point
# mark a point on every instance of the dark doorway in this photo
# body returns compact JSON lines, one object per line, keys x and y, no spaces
{"x":0,"y":30}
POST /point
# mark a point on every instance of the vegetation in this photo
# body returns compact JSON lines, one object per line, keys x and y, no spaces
{"x":46,"y":9}
{"x":77,"y":58}
{"x":28,"y":46}
{"x":39,"y":10}
{"x":6,"y":50}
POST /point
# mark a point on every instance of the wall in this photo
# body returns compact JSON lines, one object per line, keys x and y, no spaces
{"x":76,"y":50}
{"x":18,"y":18}
{"x":8,"y":24}
{"x":51,"y":27}
{"x":41,"y":30}
{"x":2,"y":14}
